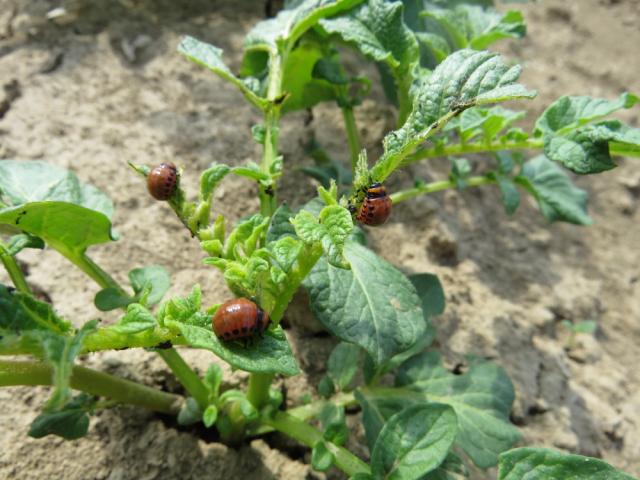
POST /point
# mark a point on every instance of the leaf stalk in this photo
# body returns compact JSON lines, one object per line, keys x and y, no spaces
{"x":101,"y":384}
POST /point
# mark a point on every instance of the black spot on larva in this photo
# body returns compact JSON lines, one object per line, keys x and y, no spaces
{"x":245,"y":329}
{"x":236,"y":331}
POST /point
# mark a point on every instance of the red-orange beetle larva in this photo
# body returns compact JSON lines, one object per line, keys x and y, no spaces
{"x":239,"y":318}
{"x":162,"y":181}
{"x":376,"y":207}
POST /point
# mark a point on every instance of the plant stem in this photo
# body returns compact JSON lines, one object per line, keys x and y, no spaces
{"x":432,"y":187}
{"x":313,"y":409}
{"x":93,"y":382}
{"x":307,"y":412}
{"x":309,"y":436}
{"x":268,"y":199}
{"x":305,"y":262}
{"x":352,"y":136}
{"x":108,"y":339}
{"x":92,"y":269}
{"x":14,"y":271}
{"x":258,"y":391}
{"x":187,"y":377}
{"x":467,"y":148}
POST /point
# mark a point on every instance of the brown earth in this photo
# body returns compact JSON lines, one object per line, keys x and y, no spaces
{"x":109,"y":88}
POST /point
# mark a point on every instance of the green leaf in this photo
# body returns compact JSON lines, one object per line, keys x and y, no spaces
{"x":330,"y":70}
{"x":373,"y":305}
{"x":334,"y":424}
{"x":414,"y":442}
{"x":544,"y":464}
{"x":568,"y":113}
{"x":304,"y":89}
{"x":460,"y":171}
{"x":20,"y":312}
{"x":321,"y":457}
{"x":244,"y":237}
{"x":66,"y":227}
{"x":210,"y":416}
{"x":586,"y":150}
{"x":154,"y":278}
{"x":557,"y":197}
{"x":19,"y":242}
{"x":268,"y":354}
{"x":509,"y":192}
{"x":481,"y":398}
{"x":251,"y":170}
{"x":183,"y":309}
{"x":474,"y":26}
{"x":571,"y":138}
{"x":70,"y":423}
{"x":330,"y":229}
{"x":211,"y":178}
{"x":190,"y":413}
{"x":111,"y":298}
{"x":376,"y":411}
{"x":343,"y":364}
{"x":377,"y":30}
{"x":453,"y":468}
{"x":137,"y":319}
{"x":431,"y":293}
{"x":210,"y":57}
{"x":434,"y":48}
{"x":280,"y":225}
{"x":467,"y":78}
{"x":213,"y":379}
{"x":289,"y":25}
{"x":32,"y":181}
{"x":61,"y":352}
{"x":488,"y":122}
{"x":326,"y":388}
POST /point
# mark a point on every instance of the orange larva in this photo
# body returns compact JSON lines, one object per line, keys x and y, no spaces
{"x":376,"y":207}
{"x":239,"y":318}
{"x":162,"y":181}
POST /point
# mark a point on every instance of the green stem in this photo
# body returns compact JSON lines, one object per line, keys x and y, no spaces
{"x":187,"y":377}
{"x":14,"y":271}
{"x":92,"y":382}
{"x":305,"y":262}
{"x":307,"y":412}
{"x":309,"y":436}
{"x":108,"y":339}
{"x":267,"y":195}
{"x":352,"y":137}
{"x":258,"y":390}
{"x":96,"y":273}
{"x":468,"y":148}
{"x":313,"y":409}
{"x":432,"y":187}
{"x":258,"y":393}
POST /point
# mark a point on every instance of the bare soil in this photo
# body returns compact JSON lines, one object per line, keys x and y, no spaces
{"x":109,"y":88}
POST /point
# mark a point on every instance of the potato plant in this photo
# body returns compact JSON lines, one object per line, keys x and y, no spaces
{"x":421,"y":421}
